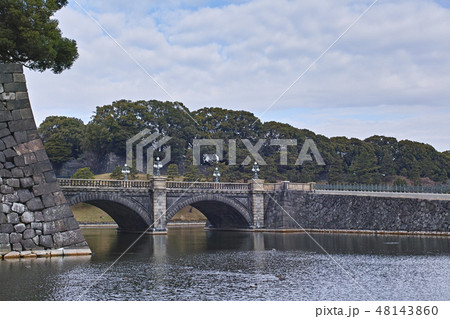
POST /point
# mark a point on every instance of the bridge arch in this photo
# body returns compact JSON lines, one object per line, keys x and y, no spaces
{"x":128,"y":215}
{"x":222,"y":212}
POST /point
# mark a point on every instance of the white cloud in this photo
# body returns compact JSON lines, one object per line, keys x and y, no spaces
{"x":243,"y":54}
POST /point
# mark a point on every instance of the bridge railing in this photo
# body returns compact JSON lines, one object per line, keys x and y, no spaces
{"x":439,"y":189}
{"x":272,"y":186}
{"x":106,"y":183}
{"x":207,"y":185}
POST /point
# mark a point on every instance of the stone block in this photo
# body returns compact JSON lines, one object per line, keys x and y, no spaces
{"x":24,"y":195}
{"x":13,"y":182}
{"x":9,"y":166}
{"x":5,"y":189}
{"x":29,"y":233}
{"x":5,"y":173}
{"x":48,"y":200}
{"x":46,"y":241}
{"x":5,"y":116}
{"x":10,"y":198}
{"x":4,"y":239}
{"x":29,"y":158}
{"x":28,"y":244}
{"x":36,"y":239}
{"x":59,"y":198}
{"x":41,"y":167}
{"x":15,"y":114}
{"x":32,"y":135}
{"x":22,"y":125}
{"x":5,"y":208}
{"x":50,"y":177}
{"x":60,"y":225}
{"x":15,"y":86}
{"x":68,"y":238}
{"x":8,"y":96}
{"x":9,"y":142}
{"x":4,"y":249}
{"x":2,"y":218}
{"x":21,"y":137}
{"x":18,"y":208}
{"x":27,"y":254}
{"x":19,"y":228}
{"x":18,"y":77}
{"x":48,"y":228}
{"x":38,"y":232}
{"x":17,"y":247}
{"x":71,"y":223}
{"x":19,"y":161}
{"x":27,"y":171}
{"x":9,"y":153}
{"x":17,"y":172}
{"x":57,"y":252}
{"x":4,"y":132}
{"x":2,"y":147}
{"x":36,"y":226}
{"x":4,"y":78}
{"x":38,"y":178}
{"x":6,"y":228}
{"x":77,"y":252}
{"x":41,"y":155}
{"x":35,"y":204}
{"x":2,"y":156}
{"x":44,"y":189}
{"x":57,"y":212}
{"x":12,"y":255}
{"x":41,"y":253}
{"x":11,"y":68}
{"x":15,"y":238}
{"x":22,"y":96}
{"x":26,"y":182}
{"x":27,"y":217}
{"x":38,"y":217}
{"x":12,"y":218}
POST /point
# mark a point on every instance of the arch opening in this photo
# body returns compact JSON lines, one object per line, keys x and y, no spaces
{"x":221,"y":213}
{"x":125,"y":214}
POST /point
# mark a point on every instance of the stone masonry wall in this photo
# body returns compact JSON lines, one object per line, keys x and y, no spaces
{"x":35,"y":219}
{"x":346,"y":212}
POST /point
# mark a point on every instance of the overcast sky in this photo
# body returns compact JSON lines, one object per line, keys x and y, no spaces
{"x":389,"y":74}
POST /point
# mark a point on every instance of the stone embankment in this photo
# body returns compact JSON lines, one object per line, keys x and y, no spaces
{"x":296,"y":210}
{"x":35,"y":219}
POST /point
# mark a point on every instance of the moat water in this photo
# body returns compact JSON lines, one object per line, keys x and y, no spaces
{"x":193,"y":264}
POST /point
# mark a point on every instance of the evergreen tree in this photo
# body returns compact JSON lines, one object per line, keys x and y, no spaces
{"x":29,"y":35}
{"x":172,"y":171}
{"x":83,"y":173}
{"x":116,"y":173}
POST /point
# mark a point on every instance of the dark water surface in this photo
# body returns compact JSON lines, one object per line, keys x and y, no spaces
{"x":193,"y":264}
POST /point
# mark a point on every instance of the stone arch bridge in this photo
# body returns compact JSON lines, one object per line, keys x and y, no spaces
{"x":149,"y":205}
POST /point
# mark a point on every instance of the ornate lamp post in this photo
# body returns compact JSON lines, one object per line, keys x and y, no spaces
{"x":255,"y":170}
{"x":125,"y":171}
{"x":216,"y":174}
{"x":158,"y":166}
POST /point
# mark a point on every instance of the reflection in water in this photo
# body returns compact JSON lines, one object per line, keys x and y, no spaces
{"x":193,"y":264}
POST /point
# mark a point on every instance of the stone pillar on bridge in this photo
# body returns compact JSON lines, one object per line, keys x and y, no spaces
{"x":159,"y":191}
{"x":257,"y":197}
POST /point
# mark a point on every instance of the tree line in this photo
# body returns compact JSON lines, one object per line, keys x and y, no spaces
{"x":377,"y":159}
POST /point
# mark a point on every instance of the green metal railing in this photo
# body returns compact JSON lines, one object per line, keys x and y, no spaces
{"x":438,"y":189}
